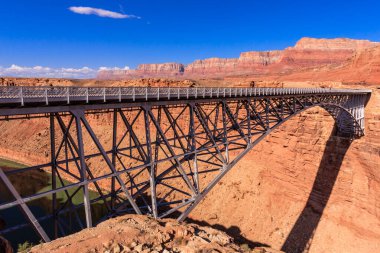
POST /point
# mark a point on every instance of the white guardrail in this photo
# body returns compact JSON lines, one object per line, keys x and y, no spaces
{"x":46,"y":94}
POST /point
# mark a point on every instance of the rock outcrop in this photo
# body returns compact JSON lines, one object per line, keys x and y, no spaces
{"x":165,"y":68}
{"x":363,"y":66}
{"x":133,"y":233}
{"x":211,"y":66}
{"x":145,"y":71}
{"x":264,"y":58}
{"x":306,"y":54}
{"x":333,"y":44}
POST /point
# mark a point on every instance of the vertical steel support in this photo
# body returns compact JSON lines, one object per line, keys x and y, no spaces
{"x":225,"y":137}
{"x":248,"y":120}
{"x":68,"y":95}
{"x":194,"y":147}
{"x":53,"y":174}
{"x":150,"y":163}
{"x":83,"y":174}
{"x":114,"y":155}
{"x":267,"y":113}
{"x":46,"y":97}
{"x":21,"y":97}
{"x":282,"y":108}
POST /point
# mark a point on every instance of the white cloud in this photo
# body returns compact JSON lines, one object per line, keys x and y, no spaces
{"x":40,"y":71}
{"x":114,"y":68}
{"x":100,"y":12}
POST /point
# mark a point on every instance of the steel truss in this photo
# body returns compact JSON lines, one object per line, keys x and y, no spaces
{"x":162,"y":157}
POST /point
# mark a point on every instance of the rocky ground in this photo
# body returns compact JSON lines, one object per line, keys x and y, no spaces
{"x":134,"y":233}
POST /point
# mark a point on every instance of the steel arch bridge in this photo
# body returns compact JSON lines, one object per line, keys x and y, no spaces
{"x":168,"y":146}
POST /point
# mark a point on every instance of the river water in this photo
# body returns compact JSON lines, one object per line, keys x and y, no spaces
{"x":31,"y":182}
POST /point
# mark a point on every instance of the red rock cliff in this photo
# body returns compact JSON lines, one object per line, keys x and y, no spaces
{"x":307,"y":53}
{"x":145,"y":71}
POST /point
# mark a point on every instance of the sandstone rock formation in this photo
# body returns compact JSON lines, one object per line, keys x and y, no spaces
{"x":362,"y":67}
{"x":333,"y":44}
{"x":145,"y":71}
{"x":307,"y":53}
{"x":133,"y":233}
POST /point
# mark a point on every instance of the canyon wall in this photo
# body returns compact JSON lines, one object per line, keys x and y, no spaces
{"x":306,"y":54}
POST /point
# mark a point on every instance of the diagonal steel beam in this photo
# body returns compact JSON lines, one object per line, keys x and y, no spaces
{"x":234,"y":122}
{"x":24,"y":208}
{"x":86,"y":196}
{"x":179,"y":164}
{"x":208,"y":132}
{"x":109,"y":163}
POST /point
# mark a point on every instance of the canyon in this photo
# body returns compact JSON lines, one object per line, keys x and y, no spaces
{"x":302,"y":189}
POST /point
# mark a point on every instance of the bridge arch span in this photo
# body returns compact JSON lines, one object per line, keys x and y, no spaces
{"x":169,"y":146}
{"x":346,"y":124}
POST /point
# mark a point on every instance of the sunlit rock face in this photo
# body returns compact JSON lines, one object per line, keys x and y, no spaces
{"x":144,"y":71}
{"x":333,"y":44}
{"x":307,"y":53}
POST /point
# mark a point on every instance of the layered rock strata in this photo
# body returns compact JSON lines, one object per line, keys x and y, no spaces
{"x":307,"y":53}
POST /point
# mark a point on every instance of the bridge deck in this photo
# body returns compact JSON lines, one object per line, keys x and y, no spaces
{"x":29,"y":96}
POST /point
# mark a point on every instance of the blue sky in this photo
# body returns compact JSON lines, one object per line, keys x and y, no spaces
{"x":47,"y":33}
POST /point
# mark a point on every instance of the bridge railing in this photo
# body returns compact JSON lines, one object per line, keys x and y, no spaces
{"x":48,"y":94}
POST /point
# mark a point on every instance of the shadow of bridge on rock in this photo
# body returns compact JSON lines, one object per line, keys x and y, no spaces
{"x":301,"y":235}
{"x":233,"y":231}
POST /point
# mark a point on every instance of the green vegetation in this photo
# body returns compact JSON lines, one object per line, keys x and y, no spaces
{"x":24,"y":247}
{"x":10,"y":164}
{"x":76,"y":199}
{"x":245,"y":247}
{"x":44,"y":181}
{"x":39,"y":181}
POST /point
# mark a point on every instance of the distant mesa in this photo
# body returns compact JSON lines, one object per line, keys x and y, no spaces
{"x":306,"y":54}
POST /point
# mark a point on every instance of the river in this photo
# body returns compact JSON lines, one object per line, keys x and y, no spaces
{"x":31,"y":182}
